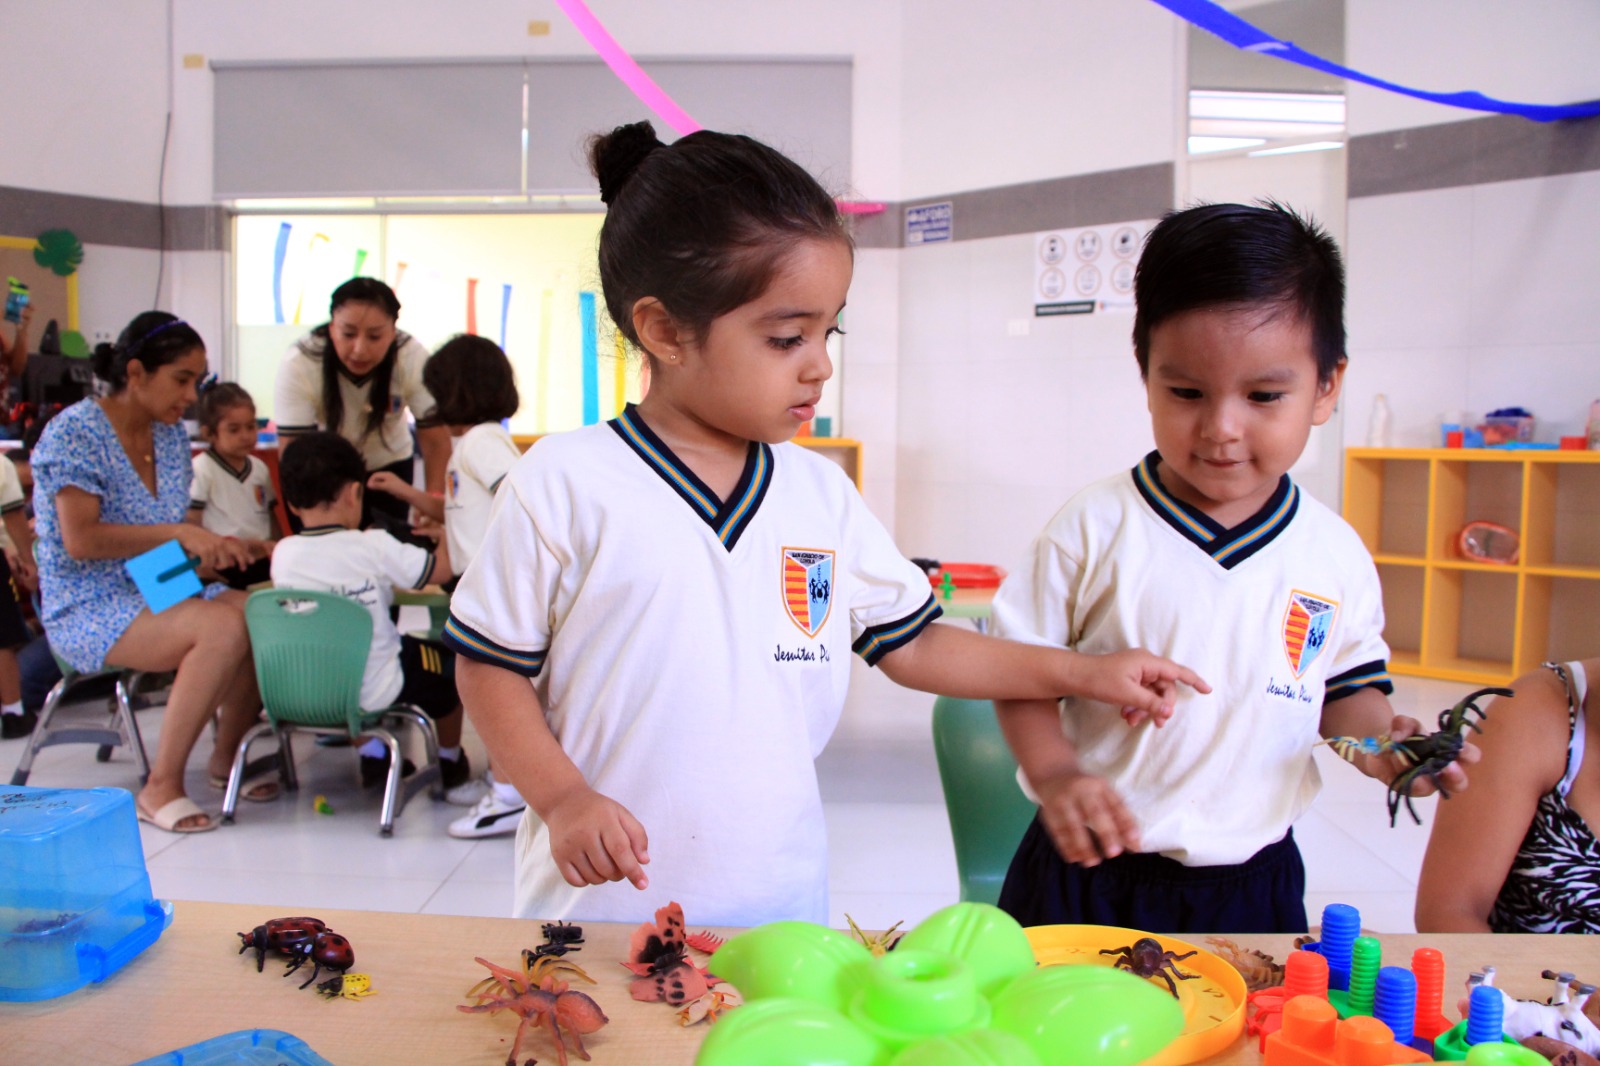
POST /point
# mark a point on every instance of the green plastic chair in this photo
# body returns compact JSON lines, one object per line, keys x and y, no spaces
{"x":988,"y":812}
{"x":310,"y":652}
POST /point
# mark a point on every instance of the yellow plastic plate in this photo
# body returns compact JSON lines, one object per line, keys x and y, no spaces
{"x":1213,"y":1003}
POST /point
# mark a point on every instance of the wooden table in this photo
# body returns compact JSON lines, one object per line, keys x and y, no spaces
{"x":193,"y":985}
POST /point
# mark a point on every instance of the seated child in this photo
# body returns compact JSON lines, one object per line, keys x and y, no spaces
{"x":16,"y":563}
{"x":323,"y":482}
{"x":232,"y":490}
{"x":1208,"y":553}
{"x":1518,"y":854}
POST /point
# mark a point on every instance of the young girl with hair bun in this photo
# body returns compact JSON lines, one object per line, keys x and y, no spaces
{"x":655,"y":633}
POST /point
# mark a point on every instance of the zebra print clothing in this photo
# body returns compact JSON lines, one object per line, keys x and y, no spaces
{"x":1554,"y":882}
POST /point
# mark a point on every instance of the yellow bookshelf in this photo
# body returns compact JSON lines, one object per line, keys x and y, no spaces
{"x":1480,"y":623}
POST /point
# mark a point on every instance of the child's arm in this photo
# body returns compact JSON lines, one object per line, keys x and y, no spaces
{"x":593,"y":839}
{"x":1085,"y":818}
{"x":955,"y":661}
{"x":425,"y":503}
{"x":1367,"y":713}
{"x":196,"y":516}
{"x":1476,"y":835}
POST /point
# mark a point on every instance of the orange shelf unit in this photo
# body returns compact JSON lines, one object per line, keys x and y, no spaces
{"x":1460,"y":620}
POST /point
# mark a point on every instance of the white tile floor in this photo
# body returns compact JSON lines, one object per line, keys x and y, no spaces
{"x":890,"y":852}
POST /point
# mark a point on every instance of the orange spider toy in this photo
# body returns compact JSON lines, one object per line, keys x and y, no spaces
{"x":539,"y":994}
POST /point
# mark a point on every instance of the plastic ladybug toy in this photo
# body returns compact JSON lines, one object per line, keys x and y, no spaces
{"x":303,"y":940}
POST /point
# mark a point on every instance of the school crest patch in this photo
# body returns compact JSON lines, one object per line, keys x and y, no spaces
{"x":455,"y":484}
{"x":261,"y":496}
{"x":1307,"y":624}
{"x":807,"y":587}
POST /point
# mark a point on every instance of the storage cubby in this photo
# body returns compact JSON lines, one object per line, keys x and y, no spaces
{"x":1462,"y":620}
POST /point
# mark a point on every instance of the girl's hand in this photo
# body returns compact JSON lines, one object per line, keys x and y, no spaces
{"x":385,"y":481}
{"x":1087,"y":821}
{"x":1145,"y":686}
{"x":1390,"y":764}
{"x":214,"y":552}
{"x":594,"y":839}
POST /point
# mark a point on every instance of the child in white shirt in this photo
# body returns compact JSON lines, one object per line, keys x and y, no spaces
{"x":323,"y":483}
{"x":232,"y":493}
{"x":475,"y":388}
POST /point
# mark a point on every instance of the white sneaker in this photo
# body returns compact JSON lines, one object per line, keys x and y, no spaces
{"x":490,"y":818}
{"x":468,"y":793}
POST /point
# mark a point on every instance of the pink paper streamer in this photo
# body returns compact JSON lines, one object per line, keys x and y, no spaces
{"x":622,"y":65}
{"x":652,"y":95}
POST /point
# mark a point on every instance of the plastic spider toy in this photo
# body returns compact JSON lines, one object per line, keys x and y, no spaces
{"x":540,"y":997}
{"x":1425,"y":755}
{"x":1147,"y":958}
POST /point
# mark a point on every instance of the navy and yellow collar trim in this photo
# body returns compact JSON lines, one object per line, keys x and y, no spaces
{"x":1228,"y":547}
{"x":322,"y":531}
{"x":238,"y":475}
{"x":728,"y":519}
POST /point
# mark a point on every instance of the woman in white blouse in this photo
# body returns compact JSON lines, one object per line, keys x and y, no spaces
{"x":364,"y":391}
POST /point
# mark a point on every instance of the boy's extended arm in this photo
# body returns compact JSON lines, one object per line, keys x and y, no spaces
{"x":593,"y":839}
{"x":955,"y":661}
{"x":1368,"y":713}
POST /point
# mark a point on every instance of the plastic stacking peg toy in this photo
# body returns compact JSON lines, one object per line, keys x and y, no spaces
{"x":962,"y":987}
{"x":1485,"y":1015}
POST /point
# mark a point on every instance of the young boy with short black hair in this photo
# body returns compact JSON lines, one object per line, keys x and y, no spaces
{"x":1208,"y":553}
{"x":323,"y":480}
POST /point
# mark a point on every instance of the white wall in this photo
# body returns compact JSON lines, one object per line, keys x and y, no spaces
{"x":1481,"y":296}
{"x":1538,"y":53}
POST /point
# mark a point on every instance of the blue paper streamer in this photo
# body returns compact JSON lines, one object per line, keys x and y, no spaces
{"x":278,"y":256}
{"x":1241,"y":34}
{"x":505,"y":313}
{"x":591,"y":359}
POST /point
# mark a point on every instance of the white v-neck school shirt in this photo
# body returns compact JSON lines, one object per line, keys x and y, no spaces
{"x":691,"y":655}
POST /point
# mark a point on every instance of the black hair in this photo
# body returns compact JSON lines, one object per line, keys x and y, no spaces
{"x":316,"y":467}
{"x":218,"y":399}
{"x":155,"y":338}
{"x":471,"y":381}
{"x":356,"y":290}
{"x":702,"y":224}
{"x":1221,"y":256}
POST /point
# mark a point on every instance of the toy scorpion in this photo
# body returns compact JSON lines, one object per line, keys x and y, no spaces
{"x":1425,"y":756}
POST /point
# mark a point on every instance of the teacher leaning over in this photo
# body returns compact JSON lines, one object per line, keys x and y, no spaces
{"x":363,"y":391}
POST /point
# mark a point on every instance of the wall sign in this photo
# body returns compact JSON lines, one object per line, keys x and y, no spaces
{"x":1081,"y":271}
{"x":929,"y":223}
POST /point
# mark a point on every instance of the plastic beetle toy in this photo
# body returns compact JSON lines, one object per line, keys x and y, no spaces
{"x":1147,"y":958}
{"x":303,"y":940}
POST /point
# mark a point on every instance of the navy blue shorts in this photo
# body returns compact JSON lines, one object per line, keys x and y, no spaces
{"x":1155,"y":894}
{"x":430,"y":677}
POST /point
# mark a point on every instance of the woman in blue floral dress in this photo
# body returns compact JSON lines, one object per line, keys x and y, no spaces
{"x":111,"y":481}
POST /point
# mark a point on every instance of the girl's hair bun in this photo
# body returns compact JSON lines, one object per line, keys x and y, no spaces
{"x":615,"y":156}
{"x":103,"y":360}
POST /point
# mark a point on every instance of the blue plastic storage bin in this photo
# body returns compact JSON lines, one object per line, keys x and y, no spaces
{"x":266,"y":1047}
{"x":75,"y":900}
